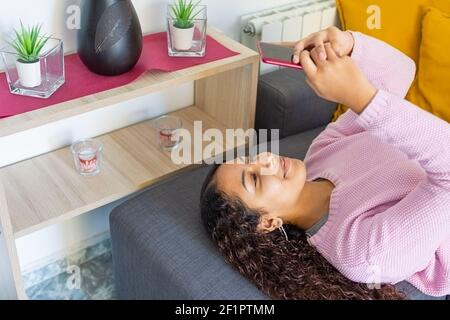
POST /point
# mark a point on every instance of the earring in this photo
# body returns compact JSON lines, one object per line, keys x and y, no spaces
{"x":281,"y":228}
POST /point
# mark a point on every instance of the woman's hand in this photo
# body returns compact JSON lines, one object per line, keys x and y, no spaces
{"x":337,"y":78}
{"x":342,"y":43}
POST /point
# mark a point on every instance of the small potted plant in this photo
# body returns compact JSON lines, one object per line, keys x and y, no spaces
{"x":28,"y":44}
{"x":183,"y":14}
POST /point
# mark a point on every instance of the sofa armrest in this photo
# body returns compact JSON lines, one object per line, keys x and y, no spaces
{"x":286,"y":102}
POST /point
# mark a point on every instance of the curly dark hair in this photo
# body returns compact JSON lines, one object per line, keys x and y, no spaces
{"x":282,"y":269}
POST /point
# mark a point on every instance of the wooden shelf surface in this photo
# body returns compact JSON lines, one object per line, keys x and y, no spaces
{"x":47,"y":189}
{"x":149,"y":82}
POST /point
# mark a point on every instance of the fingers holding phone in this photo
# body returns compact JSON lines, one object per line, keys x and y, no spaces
{"x":337,"y":79}
{"x":313,"y":41}
{"x":342,"y":43}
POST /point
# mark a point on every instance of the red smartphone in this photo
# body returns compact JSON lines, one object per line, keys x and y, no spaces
{"x":277,"y":55}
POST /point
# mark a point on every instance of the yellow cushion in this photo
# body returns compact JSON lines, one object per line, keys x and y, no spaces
{"x":431,"y":89}
{"x":443,"y":5}
{"x":400,"y":23}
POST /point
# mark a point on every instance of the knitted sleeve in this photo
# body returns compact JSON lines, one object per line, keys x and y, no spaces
{"x":384,"y":66}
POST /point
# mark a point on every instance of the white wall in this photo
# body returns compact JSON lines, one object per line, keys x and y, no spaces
{"x":223,"y":14}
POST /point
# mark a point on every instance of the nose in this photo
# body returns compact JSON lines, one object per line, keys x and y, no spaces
{"x":267,"y":163}
{"x":264,"y":158}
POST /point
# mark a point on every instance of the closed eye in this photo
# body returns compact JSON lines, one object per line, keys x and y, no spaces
{"x":255,"y":178}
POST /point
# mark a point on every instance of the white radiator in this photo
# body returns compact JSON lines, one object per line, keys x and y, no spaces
{"x":291,"y":22}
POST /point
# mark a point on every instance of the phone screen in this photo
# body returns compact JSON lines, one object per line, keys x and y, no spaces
{"x":277,"y":54}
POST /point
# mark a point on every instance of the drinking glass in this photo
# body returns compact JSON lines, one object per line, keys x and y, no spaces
{"x":166,"y":131}
{"x":87,"y":156}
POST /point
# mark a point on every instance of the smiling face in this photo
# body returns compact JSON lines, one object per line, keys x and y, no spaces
{"x":270,"y":183}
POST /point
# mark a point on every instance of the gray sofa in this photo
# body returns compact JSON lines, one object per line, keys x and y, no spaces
{"x":160,"y":249}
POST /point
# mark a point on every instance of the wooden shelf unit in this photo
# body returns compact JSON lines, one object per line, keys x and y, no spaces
{"x":46,"y":189}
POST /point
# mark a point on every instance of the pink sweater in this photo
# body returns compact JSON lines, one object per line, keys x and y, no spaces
{"x":389,"y":216}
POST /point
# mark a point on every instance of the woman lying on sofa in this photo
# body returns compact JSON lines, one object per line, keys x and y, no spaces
{"x":370,"y":205}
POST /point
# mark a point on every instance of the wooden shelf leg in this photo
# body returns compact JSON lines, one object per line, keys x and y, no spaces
{"x":11,"y":283}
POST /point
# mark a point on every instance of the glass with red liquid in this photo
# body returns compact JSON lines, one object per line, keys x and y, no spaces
{"x":166,"y":131}
{"x":87,"y":156}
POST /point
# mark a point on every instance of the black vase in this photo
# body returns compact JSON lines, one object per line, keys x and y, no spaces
{"x":110,"y":38}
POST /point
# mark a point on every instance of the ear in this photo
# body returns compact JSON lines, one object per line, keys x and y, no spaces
{"x":268,"y":223}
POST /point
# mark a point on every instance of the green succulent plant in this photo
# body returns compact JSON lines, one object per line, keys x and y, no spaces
{"x":183,"y":13}
{"x":28,"y":43}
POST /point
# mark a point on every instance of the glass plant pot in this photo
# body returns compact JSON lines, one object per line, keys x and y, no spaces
{"x":187,"y":42}
{"x":37,"y":79}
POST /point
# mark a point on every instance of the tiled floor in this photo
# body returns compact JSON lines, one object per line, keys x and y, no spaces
{"x":96,"y":283}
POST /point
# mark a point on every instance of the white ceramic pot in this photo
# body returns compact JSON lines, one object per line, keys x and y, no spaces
{"x":29,"y":73}
{"x":182,"y":38}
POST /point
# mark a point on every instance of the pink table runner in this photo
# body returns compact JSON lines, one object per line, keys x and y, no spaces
{"x":81,"y":82}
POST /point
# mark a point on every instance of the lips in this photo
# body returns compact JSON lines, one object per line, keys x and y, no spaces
{"x":285,"y":164}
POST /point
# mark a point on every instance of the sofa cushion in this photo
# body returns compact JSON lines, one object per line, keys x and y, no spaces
{"x":431,"y":89}
{"x":161,"y":250}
